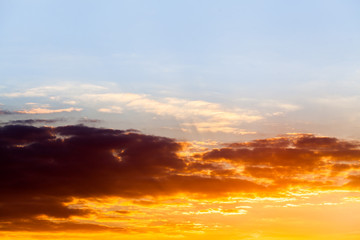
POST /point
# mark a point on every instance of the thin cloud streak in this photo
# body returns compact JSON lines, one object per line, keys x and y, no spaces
{"x":49,"y":111}
{"x":34,"y":121}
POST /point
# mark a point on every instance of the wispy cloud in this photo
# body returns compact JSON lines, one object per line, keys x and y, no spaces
{"x":48,"y":111}
{"x":191,"y":115}
{"x":111,"y":109}
{"x":34,"y":121}
{"x":47,"y":91}
{"x":203,"y":115}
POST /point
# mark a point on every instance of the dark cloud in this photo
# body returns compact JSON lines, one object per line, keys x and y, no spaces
{"x":42,"y":168}
{"x":83,"y":161}
{"x":280,"y":142}
{"x":17,"y":208}
{"x":323,"y":143}
{"x":13,"y":135}
{"x":287,"y":159}
{"x":33,"y":121}
{"x":302,"y":151}
{"x":290,"y":158}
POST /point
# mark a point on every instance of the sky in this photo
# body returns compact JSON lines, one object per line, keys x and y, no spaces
{"x":179,"y":119}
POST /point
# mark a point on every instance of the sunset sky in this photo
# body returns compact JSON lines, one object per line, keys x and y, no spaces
{"x":194,"y":120}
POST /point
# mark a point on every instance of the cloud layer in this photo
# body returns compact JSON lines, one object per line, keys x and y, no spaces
{"x":201,"y":115}
{"x":42,"y":169}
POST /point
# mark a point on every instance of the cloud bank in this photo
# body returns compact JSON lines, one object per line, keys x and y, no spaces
{"x":42,"y":169}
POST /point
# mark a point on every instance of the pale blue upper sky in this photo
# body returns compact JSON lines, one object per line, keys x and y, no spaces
{"x":246,"y":54}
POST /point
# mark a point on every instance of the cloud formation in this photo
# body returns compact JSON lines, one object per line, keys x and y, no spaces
{"x":191,"y":115}
{"x":6,"y":112}
{"x":49,"y":91}
{"x":47,"y":111}
{"x":205,"y":116}
{"x":34,"y":121}
{"x":300,"y":159}
{"x":42,"y":169}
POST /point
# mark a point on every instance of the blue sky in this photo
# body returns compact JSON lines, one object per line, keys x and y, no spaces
{"x":293,"y":63}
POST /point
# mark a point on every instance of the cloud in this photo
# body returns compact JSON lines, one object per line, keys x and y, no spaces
{"x":42,"y":169}
{"x":354,"y":181}
{"x":69,"y":102}
{"x":34,"y":121}
{"x":49,"y":111}
{"x":219,"y":211}
{"x":204,"y":116}
{"x":302,"y":159}
{"x":198,"y":115}
{"x":40,"y":110}
{"x":46,"y":91}
{"x":6,"y":112}
{"x":86,"y":120}
{"x":112,"y":109}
